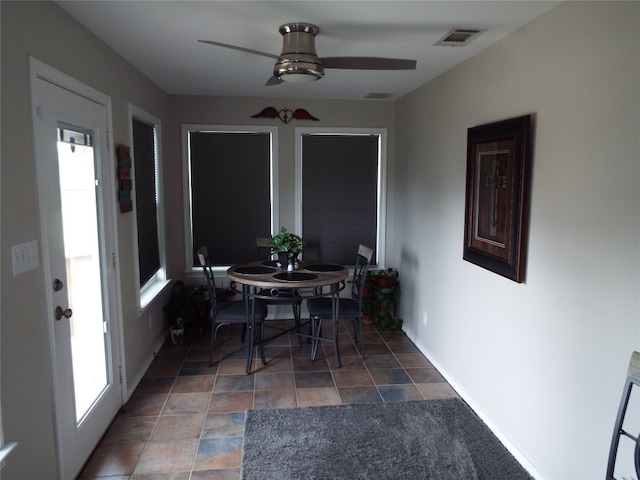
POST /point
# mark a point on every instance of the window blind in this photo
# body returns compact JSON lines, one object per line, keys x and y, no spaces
{"x":339,"y":195}
{"x":144,"y":155}
{"x":230,"y":193}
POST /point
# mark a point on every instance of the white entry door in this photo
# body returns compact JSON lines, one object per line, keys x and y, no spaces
{"x":76,"y":198}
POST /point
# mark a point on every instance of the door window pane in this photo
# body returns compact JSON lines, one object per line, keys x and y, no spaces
{"x":84,"y":282}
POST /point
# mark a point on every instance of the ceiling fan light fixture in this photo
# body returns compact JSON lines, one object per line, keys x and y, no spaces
{"x":298,"y":62}
{"x":294,"y":71}
{"x":296,"y":77}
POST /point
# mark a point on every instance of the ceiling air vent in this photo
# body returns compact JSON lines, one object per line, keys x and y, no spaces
{"x":457,"y":37}
{"x":378,"y":95}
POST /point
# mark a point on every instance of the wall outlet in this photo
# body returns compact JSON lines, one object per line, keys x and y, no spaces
{"x":25,"y":257}
{"x":424,"y":318}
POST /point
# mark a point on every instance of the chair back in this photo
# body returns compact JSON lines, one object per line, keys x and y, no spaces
{"x":203,"y":258}
{"x":633,"y":379}
{"x":365,"y":254}
{"x":264,"y":247}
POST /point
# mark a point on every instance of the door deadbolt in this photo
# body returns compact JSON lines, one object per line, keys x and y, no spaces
{"x":57,"y":285}
{"x":59,"y":313}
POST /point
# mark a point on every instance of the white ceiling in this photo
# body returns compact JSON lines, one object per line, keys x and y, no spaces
{"x":160,"y":38}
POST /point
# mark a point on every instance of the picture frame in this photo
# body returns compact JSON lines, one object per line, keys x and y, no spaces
{"x":497,"y":196}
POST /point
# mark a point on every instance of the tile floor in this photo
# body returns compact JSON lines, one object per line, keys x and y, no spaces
{"x":185,"y":419}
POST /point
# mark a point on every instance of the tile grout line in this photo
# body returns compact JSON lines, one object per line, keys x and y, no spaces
{"x":197,"y":348}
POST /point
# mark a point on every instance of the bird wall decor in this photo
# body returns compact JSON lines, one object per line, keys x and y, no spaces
{"x":285,"y":114}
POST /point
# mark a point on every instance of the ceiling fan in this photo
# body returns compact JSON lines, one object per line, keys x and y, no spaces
{"x":299,"y":62}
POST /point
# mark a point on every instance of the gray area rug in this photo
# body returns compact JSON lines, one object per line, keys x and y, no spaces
{"x":434,"y":439}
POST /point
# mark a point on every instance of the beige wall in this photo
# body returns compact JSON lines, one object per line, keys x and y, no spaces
{"x":238,"y":111}
{"x":544,"y":361}
{"x":43,"y":30}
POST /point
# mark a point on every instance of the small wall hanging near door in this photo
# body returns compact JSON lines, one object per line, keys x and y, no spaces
{"x":124,"y":178}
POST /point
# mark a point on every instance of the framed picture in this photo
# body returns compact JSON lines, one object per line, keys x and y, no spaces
{"x":497,"y":196}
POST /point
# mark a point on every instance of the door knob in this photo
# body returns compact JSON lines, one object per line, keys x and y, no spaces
{"x":59,"y":313}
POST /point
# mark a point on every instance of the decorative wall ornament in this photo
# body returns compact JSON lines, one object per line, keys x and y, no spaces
{"x":124,"y":177}
{"x":285,"y":114}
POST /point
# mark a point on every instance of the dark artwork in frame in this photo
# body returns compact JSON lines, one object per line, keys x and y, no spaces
{"x":497,"y":196}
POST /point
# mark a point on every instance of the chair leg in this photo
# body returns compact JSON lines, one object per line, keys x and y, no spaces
{"x":261,"y":344}
{"x":250,"y":347}
{"x":617,"y":431}
{"x":214,"y":334}
{"x":296,"y":316}
{"x":636,"y":456}
{"x":358,"y":323}
{"x":316,"y":331}
{"x":250,"y":325}
{"x":335,"y":341}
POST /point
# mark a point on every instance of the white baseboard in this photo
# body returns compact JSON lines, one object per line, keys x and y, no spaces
{"x":519,"y":456}
{"x":133,"y":383}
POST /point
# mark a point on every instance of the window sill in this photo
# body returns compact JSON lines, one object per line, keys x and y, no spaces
{"x":151,"y":293}
{"x":219,"y":274}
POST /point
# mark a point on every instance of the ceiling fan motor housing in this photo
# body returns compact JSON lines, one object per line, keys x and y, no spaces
{"x":298,"y":61}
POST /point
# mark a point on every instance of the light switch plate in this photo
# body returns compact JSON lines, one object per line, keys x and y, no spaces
{"x":25,"y":257}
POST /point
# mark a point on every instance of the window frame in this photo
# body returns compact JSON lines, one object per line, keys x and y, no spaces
{"x":191,"y":270}
{"x":381,"y":217}
{"x":147,"y":292}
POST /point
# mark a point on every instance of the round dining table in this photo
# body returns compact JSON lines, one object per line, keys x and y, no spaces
{"x":267,"y":280}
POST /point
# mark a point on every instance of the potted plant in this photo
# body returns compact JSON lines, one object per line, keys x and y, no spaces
{"x":381,"y":297}
{"x":367,"y":313}
{"x":288,"y":246}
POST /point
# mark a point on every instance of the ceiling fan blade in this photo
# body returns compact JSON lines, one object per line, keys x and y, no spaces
{"x":240,"y":49}
{"x":273,"y":80}
{"x":369,"y":63}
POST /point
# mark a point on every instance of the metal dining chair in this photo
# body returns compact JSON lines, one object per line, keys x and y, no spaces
{"x":229,"y":312}
{"x":620,"y":430}
{"x":321,"y":308}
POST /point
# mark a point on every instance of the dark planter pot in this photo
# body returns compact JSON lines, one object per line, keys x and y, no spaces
{"x":284,"y":259}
